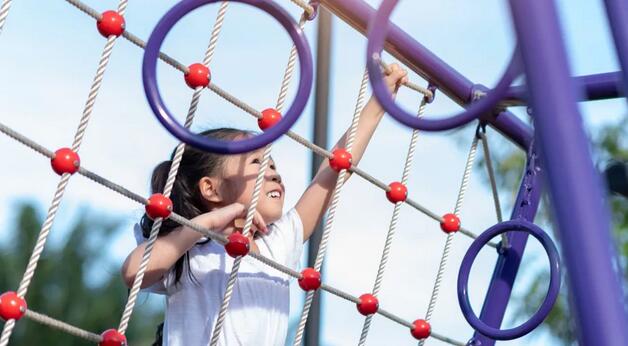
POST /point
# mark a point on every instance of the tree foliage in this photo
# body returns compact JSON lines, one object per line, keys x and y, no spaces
{"x":76,"y":281}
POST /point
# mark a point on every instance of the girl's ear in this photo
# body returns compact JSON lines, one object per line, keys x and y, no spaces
{"x":209,"y":189}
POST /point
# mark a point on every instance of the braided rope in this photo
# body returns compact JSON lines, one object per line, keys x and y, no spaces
{"x":335,"y":198}
{"x":283,"y":92}
{"x":56,"y":201}
{"x":443,"y":261}
{"x":4,"y":12}
{"x":425,"y":91}
{"x":172,"y":174}
{"x":222,"y":314}
{"x":393,"y":223}
{"x":309,"y":10}
{"x":491,"y":177}
{"x":62,"y":326}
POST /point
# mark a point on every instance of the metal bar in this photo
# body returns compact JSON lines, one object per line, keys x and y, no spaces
{"x":575,"y":188}
{"x":617,"y":11}
{"x":596,"y":87}
{"x":321,"y":116}
{"x":507,"y":266}
{"x":402,"y":46}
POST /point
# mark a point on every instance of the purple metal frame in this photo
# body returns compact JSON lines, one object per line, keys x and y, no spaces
{"x":577,"y":196}
{"x":595,"y":87}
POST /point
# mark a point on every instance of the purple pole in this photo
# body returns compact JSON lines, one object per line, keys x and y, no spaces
{"x":581,"y":214}
{"x":507,"y":266}
{"x":596,"y":87}
{"x":617,"y":11}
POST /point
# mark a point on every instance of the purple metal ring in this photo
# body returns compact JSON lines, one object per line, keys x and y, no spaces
{"x":376,"y":36}
{"x":149,"y":69}
{"x":518,"y":225}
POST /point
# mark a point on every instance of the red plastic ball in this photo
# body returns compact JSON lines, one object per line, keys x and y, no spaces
{"x":398,"y":192}
{"x":270,"y":117}
{"x":237,"y":245}
{"x":111,"y":23}
{"x":12,"y":307}
{"x":112,"y":337}
{"x":450,"y":223}
{"x":158,"y":206}
{"x":65,"y":161}
{"x":310,"y":279}
{"x":340,"y":160}
{"x":368,"y":304}
{"x":198,"y":76}
{"x":421,"y":329}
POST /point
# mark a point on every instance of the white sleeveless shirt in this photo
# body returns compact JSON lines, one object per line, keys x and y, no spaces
{"x":260,"y":305}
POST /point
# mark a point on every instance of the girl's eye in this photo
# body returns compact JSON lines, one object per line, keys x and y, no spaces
{"x":257,"y":161}
{"x":273,"y":167}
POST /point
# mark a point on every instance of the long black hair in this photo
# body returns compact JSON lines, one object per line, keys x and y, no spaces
{"x":186,"y":195}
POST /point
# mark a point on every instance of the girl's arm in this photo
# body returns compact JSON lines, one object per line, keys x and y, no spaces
{"x":170,"y":247}
{"x":315,"y":199}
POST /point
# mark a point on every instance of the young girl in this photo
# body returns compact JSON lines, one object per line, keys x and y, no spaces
{"x":213,"y":191}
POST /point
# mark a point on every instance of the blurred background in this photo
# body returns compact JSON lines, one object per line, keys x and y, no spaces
{"x":48,"y":56}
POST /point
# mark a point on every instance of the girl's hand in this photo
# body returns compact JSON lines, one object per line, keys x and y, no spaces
{"x":222,"y":219}
{"x":395,"y":78}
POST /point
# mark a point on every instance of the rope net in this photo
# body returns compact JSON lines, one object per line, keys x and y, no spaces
{"x":420,"y":329}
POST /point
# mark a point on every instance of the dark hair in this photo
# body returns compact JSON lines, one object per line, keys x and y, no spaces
{"x":186,"y":196}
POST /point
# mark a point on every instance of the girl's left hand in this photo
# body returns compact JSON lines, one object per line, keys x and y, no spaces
{"x":395,"y":78}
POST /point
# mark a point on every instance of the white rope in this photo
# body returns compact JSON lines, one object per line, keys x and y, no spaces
{"x":491,"y":178}
{"x":172,"y":174}
{"x":4,"y":12}
{"x":52,"y":211}
{"x":283,"y":91}
{"x":335,"y":198}
{"x":443,"y":261}
{"x":393,"y":223}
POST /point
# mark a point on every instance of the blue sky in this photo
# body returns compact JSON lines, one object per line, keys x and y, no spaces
{"x":48,"y":55}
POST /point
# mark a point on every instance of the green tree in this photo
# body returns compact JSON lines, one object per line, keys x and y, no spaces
{"x":75,"y":281}
{"x":609,"y":142}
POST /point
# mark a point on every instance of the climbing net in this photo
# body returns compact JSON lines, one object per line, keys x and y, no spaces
{"x":66,"y":162}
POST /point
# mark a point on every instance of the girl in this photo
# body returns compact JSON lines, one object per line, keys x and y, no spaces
{"x":213,"y":191}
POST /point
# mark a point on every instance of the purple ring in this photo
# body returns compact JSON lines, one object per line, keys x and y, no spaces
{"x":376,"y":36}
{"x":149,"y":69}
{"x":518,"y":225}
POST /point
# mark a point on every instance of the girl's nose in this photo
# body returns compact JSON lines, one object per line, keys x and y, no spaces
{"x":274,"y":177}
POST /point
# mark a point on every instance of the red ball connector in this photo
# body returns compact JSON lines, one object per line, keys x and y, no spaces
{"x":340,"y":160}
{"x":111,"y":23}
{"x":450,"y":223}
{"x":198,"y":75}
{"x":398,"y":192}
{"x":368,"y":304}
{"x":65,"y":161}
{"x":421,"y":329}
{"x":237,"y":245}
{"x":270,"y":117}
{"x":310,"y":279}
{"x":158,"y":206}
{"x":112,"y":337}
{"x":12,"y":307}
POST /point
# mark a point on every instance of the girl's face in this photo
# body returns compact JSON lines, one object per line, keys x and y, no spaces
{"x":238,"y":182}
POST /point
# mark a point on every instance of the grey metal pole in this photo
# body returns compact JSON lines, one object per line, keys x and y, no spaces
{"x":321,"y":111}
